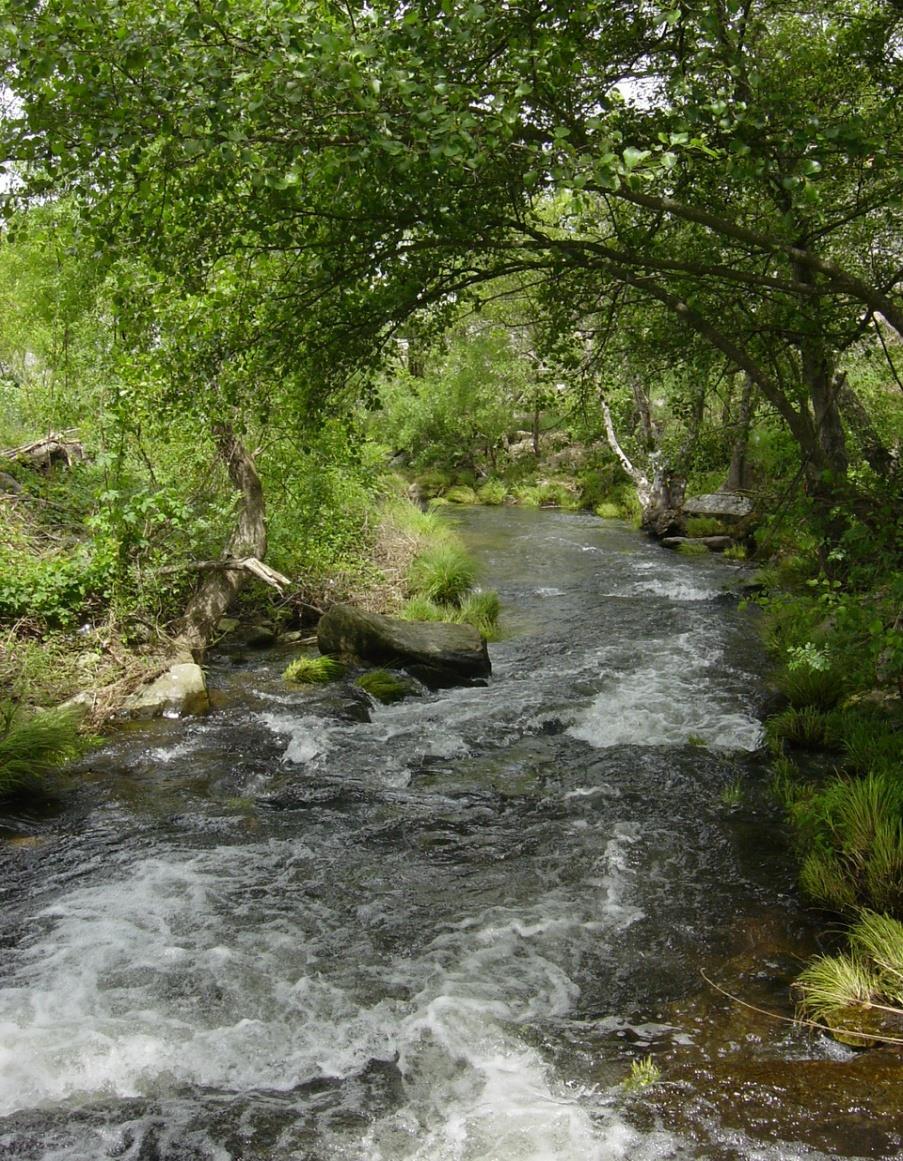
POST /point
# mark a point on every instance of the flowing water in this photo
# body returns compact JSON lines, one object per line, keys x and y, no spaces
{"x":289,"y":932}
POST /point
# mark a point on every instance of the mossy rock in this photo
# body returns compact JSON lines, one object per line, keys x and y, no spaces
{"x":387,"y":687}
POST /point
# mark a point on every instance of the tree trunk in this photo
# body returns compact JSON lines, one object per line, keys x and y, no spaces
{"x":644,"y":416}
{"x":738,"y":473}
{"x":640,"y":479}
{"x":247,"y":542}
{"x":876,"y":454}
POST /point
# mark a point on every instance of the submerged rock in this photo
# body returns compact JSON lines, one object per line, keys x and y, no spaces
{"x":437,"y":653}
{"x":179,"y":692}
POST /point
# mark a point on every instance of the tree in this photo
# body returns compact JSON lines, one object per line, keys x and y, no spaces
{"x":734,"y":166}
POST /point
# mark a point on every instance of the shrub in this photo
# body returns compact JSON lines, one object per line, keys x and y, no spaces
{"x":552,"y":495}
{"x":32,"y":746}
{"x":527,"y":496}
{"x":443,"y":573}
{"x":314,"y":670}
{"x":607,"y":510}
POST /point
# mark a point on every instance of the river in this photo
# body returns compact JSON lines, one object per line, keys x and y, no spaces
{"x":283,"y":933}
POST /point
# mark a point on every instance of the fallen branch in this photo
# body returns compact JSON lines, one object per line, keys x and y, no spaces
{"x":42,"y":452}
{"x":849,"y":1033}
{"x":232,"y":564}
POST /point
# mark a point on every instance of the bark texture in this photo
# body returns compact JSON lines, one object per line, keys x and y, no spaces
{"x":247,"y":544}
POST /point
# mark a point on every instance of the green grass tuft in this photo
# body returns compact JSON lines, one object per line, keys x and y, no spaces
{"x":608,"y":510}
{"x":492,"y":492}
{"x":705,"y":526}
{"x":643,"y":1073}
{"x":690,"y":549}
{"x":443,"y":573}
{"x":314,"y":670}
{"x":481,"y":609}
{"x":808,"y":686}
{"x":806,"y":728}
{"x":32,"y":746}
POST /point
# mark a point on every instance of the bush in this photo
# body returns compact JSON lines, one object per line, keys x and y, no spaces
{"x":314,"y":670}
{"x":443,"y":573}
{"x":607,"y":510}
{"x":32,"y":746}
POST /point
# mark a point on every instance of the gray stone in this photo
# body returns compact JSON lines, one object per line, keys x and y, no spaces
{"x":436,"y":652}
{"x":179,"y":692}
{"x":723,"y":505}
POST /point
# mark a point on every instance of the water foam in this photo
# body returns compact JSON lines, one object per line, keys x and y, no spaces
{"x":678,"y":698}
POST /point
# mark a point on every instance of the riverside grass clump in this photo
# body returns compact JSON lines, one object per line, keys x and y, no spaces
{"x":850,"y":832}
{"x":314,"y":671}
{"x":858,"y":995}
{"x":34,"y":745}
{"x":443,"y":573}
{"x":480,"y":609}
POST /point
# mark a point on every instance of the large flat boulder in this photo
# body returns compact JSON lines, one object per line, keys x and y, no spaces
{"x":723,"y":505}
{"x":436,"y":652}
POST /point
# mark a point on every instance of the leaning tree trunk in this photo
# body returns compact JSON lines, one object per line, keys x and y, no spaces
{"x":639,"y":477}
{"x":242,"y":555}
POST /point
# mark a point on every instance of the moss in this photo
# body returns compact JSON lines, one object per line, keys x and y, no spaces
{"x":314,"y":670}
{"x":386,"y":687}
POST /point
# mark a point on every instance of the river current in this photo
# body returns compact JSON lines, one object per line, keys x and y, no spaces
{"x":287,"y":933}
